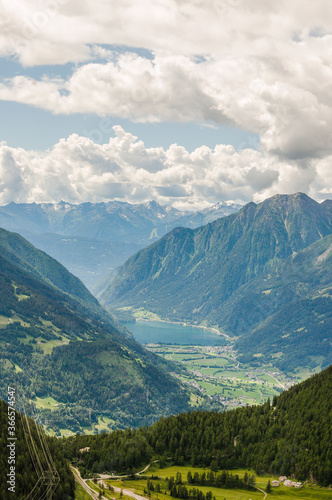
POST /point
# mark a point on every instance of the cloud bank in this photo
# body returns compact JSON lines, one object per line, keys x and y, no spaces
{"x":255,"y":65}
{"x":78,"y":169}
{"x":260,"y":66}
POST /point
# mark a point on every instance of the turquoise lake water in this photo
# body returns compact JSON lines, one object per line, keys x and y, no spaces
{"x":170,"y":333}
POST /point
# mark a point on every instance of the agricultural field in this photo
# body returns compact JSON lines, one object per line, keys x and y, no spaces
{"x":139,"y":486}
{"x":216,"y":372}
{"x":103,"y":422}
{"x":46,"y":403}
{"x":143,"y":314}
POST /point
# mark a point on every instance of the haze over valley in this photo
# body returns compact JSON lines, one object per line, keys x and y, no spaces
{"x":91,"y":239}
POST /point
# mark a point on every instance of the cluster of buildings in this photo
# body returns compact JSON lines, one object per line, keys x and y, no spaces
{"x":287,"y":482}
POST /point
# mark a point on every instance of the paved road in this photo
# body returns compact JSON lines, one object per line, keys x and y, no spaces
{"x":126,"y":492}
{"x":87,"y":488}
{"x":281,"y":385}
{"x":108,"y":476}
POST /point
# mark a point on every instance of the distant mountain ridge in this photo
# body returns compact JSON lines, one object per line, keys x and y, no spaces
{"x":92,"y":238}
{"x":86,"y":219}
{"x":233,"y":273}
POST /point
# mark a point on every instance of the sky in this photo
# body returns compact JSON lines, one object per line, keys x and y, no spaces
{"x":184,"y":102}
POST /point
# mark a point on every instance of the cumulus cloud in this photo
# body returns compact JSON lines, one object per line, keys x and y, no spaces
{"x":260,"y":66}
{"x":176,"y":26}
{"x":286,"y":98}
{"x":77,"y":170}
{"x":166,"y":88}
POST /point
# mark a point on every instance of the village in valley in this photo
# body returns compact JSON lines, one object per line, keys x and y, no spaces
{"x":215,"y":371}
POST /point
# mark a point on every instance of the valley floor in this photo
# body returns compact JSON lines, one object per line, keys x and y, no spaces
{"x":214,"y":371}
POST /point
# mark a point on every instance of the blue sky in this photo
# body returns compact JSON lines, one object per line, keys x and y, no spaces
{"x":204,"y":101}
{"x":17,"y":131}
{"x":32,"y":128}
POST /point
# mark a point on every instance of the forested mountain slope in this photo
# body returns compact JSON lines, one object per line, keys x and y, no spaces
{"x":290,"y":311}
{"x":290,"y":435}
{"x":237,"y":272}
{"x":16,"y":250}
{"x":57,"y":342}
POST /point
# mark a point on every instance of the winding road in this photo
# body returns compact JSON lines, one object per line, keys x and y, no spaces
{"x":264,"y":492}
{"x":101,"y":482}
{"x":86,"y":487}
{"x":81,"y":481}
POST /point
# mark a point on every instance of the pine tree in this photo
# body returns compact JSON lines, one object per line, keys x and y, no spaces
{"x":268,"y":487}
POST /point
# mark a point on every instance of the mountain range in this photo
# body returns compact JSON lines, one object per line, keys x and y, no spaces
{"x":91,"y":239}
{"x":79,"y":366}
{"x":261,"y":275}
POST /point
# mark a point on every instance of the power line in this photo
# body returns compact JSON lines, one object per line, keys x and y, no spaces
{"x":47,"y":474}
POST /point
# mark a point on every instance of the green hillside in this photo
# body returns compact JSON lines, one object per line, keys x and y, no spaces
{"x":268,"y":262}
{"x":24,"y":256}
{"x":290,"y":435}
{"x":20,"y":252}
{"x":82,"y":372}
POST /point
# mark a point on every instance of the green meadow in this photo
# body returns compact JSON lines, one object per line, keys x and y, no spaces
{"x":308,"y":492}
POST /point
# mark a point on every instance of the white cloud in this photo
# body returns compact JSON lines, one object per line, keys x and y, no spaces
{"x":261,"y":66}
{"x":168,"y":88}
{"x":220,"y":27}
{"x":286,"y":98}
{"x":77,"y":170}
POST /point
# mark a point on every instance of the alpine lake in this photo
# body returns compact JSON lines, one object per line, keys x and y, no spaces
{"x":160,"y":332}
